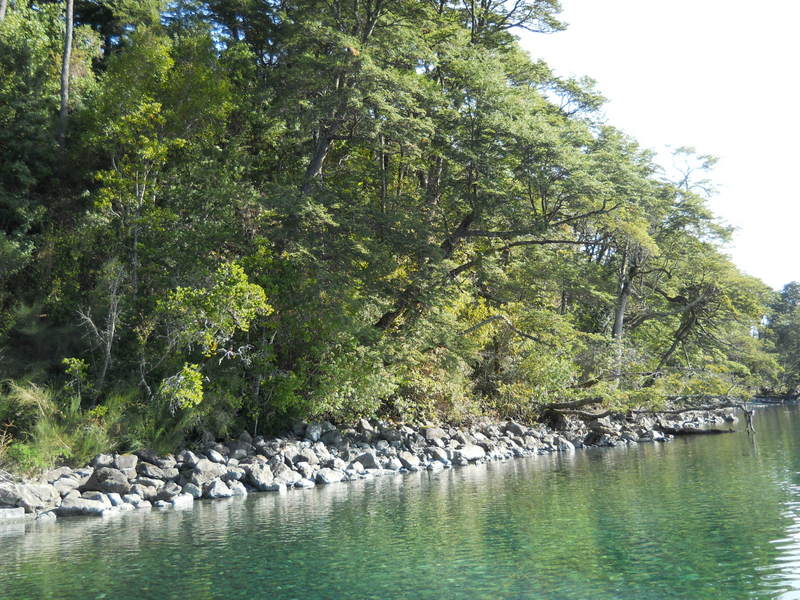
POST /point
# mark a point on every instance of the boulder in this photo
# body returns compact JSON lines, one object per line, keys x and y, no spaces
{"x":106,"y":479}
{"x":564,"y":445}
{"x":306,"y":455}
{"x":237,"y":488}
{"x":233,"y":474}
{"x":394,"y":464}
{"x":409,"y":460}
{"x":284,"y":474}
{"x":331,"y":438}
{"x":132,"y":499}
{"x":149,"y":482}
{"x":206,"y":471}
{"x":97,"y":497}
{"x":216,"y":489}
{"x":145,"y":469}
{"x":391,"y":435}
{"x":369,"y":460}
{"x":259,"y":476}
{"x":166,"y":462}
{"x":471,"y":452}
{"x":193,"y":490}
{"x":182,"y":501}
{"x":329,"y":476}
{"x":169,"y":491}
{"x":434,"y":433}
{"x":145,"y":491}
{"x":313,"y":432}
{"x":305,"y":469}
{"x":55,"y":474}
{"x":125,"y":461}
{"x":72,"y":506}
{"x":215,"y":456}
{"x":188,"y":458}
{"x":102,"y":460}
{"x":515,"y":429}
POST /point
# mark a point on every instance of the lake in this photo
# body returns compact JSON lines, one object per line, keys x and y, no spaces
{"x":697,"y":518}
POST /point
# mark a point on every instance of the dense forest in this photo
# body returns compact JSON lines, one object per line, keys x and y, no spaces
{"x":231,"y":214}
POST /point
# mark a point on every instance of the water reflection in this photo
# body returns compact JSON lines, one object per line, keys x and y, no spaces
{"x":703,"y":518}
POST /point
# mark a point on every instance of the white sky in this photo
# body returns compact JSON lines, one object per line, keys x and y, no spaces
{"x":718,"y":75}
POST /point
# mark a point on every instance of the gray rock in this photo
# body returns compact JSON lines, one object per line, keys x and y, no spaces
{"x":304,"y":484}
{"x":237,"y":488}
{"x":188,"y":458}
{"x":434,"y":433}
{"x":145,"y":491}
{"x":166,"y":462}
{"x":313,"y":432}
{"x":132,"y":499}
{"x":259,"y":476}
{"x":215,"y":456}
{"x":182,"y":501}
{"x":233,"y":474}
{"x":106,"y":479}
{"x":35,"y":497}
{"x":332,"y":438}
{"x":564,"y":445}
{"x":72,"y":506}
{"x":48,"y":515}
{"x":169,"y":491}
{"x":206,"y":471}
{"x":471,"y":452}
{"x":391,"y":435}
{"x":369,"y":460}
{"x":356,"y":466}
{"x":149,"y":482}
{"x":55,"y":474}
{"x":306,"y":455}
{"x":193,"y":490}
{"x":284,"y":474}
{"x":97,"y":497}
{"x":305,"y":469}
{"x":125,"y":461}
{"x":394,"y":464}
{"x":102,"y":460}
{"x":171,"y":473}
{"x":439,"y":455}
{"x":408,"y":460}
{"x":329,"y":476}
{"x":162,"y":504}
{"x":145,"y":469}
{"x":65,"y":485}
{"x":216,"y":489}
{"x":144,"y":504}
{"x":515,"y":429}
{"x":366,"y":427}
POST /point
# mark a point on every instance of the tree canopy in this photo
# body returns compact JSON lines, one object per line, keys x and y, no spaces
{"x":266,"y":210}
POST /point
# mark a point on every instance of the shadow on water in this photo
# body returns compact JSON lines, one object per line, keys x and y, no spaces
{"x":707,"y":517}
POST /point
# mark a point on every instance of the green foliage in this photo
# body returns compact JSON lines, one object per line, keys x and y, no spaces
{"x":271,"y":211}
{"x":209,"y":317}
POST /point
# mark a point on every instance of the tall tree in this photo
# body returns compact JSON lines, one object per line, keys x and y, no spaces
{"x":65,"y":72}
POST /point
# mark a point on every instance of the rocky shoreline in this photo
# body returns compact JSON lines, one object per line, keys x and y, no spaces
{"x":317,"y":454}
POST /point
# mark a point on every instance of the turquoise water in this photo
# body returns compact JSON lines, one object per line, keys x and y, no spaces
{"x":708,"y":517}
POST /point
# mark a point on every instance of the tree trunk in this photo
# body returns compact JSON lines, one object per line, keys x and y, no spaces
{"x":62,"y":117}
{"x":3,"y":7}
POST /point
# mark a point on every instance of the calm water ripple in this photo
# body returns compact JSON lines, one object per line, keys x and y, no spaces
{"x":703,"y":518}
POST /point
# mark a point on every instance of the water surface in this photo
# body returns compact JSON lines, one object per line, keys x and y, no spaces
{"x":701,"y":518}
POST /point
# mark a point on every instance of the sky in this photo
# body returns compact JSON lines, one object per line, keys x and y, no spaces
{"x":720,"y":76}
